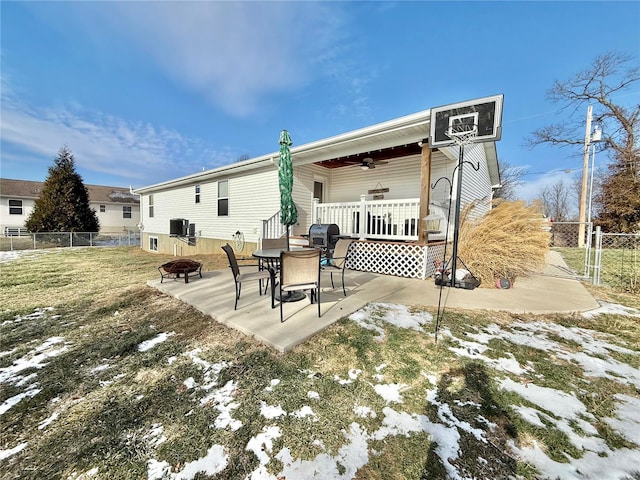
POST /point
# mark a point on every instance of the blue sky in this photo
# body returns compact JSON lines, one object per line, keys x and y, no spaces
{"x":143,"y":92}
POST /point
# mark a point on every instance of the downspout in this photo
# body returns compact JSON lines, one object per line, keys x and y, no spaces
{"x":140,"y":224}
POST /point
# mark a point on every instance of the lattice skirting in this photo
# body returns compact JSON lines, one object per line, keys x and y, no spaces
{"x":399,"y":259}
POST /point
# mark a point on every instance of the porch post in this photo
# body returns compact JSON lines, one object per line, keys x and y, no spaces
{"x":425,"y":191}
{"x":314,"y":210}
{"x":362,"y":223}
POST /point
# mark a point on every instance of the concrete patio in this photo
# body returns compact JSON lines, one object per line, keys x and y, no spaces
{"x":552,"y":290}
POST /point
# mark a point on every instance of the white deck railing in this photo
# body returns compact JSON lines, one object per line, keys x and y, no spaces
{"x":272,"y":228}
{"x":375,"y":219}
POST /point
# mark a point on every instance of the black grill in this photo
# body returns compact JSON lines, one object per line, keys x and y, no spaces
{"x":324,"y":235}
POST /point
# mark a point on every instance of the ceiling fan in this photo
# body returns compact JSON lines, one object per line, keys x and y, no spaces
{"x":369,"y":163}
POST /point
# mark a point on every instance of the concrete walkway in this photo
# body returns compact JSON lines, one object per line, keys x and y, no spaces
{"x":552,"y":290}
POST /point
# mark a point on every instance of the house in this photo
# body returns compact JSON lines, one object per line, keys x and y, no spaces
{"x":117,"y":208}
{"x":377,"y":184}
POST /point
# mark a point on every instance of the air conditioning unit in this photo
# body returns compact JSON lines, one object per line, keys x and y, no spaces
{"x":178,"y":227}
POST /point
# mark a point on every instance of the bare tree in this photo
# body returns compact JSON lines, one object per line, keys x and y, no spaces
{"x":556,"y":199}
{"x":510,"y":180}
{"x":607,"y":79}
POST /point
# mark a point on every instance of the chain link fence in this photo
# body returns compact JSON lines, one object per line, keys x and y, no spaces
{"x":35,"y":241}
{"x":607,"y":259}
{"x":615,"y":261}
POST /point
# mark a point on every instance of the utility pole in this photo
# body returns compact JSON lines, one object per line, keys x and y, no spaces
{"x":585,"y":174}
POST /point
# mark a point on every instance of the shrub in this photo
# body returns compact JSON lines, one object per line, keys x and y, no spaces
{"x":509,"y":241}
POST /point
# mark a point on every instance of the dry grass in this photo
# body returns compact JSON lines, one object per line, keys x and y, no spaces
{"x":102,"y":398}
{"x":507,"y":242}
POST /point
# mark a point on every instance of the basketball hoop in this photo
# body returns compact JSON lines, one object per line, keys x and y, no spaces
{"x":462,"y":134}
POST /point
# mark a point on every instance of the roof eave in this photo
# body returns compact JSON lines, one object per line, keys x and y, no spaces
{"x":402,"y":129}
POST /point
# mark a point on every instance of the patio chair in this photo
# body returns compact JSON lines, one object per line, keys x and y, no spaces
{"x":300,"y":270}
{"x":268,"y":244}
{"x":238,"y":277}
{"x":338,"y":261}
{"x":274,"y":243}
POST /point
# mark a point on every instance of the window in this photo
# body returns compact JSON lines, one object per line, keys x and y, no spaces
{"x":103,"y":208}
{"x":15,"y":207}
{"x":150,"y":206}
{"x":197,"y":193}
{"x":223,"y":198}
{"x":126,"y":211}
{"x":153,"y":244}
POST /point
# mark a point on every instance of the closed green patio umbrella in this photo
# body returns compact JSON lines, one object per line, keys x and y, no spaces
{"x":288,"y":211}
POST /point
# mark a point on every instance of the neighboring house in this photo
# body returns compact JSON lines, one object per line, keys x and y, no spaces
{"x":387,"y":203}
{"x":117,"y":208}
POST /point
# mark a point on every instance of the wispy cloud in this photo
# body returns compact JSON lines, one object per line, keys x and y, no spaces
{"x":531,"y":190}
{"x":232,"y":53}
{"x":103,"y":144}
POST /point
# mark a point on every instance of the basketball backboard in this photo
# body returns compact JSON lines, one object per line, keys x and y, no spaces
{"x":482,"y":114}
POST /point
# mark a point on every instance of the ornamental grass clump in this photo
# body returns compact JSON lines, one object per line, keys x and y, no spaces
{"x":507,"y":242}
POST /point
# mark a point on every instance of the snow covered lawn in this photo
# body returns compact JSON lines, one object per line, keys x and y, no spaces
{"x":132,"y":386}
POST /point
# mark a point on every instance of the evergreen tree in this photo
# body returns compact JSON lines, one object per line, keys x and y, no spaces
{"x":63,"y":205}
{"x":619,"y":198}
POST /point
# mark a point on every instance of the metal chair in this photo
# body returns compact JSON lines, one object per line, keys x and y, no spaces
{"x":274,"y":243}
{"x":267,"y":244}
{"x":300,"y":270}
{"x":338,"y":261}
{"x":239,"y":277}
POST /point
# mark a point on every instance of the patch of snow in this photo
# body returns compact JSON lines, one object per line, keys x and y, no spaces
{"x":627,"y":421}
{"x":275,"y":382}
{"x":609,"y":465}
{"x":158,"y":470}
{"x":152,"y":342}
{"x":609,"y":368}
{"x":364,"y":412}
{"x":9,"y":452}
{"x":271,"y":411}
{"x":222,"y":400}
{"x":350,"y":457}
{"x":13,"y":401}
{"x":390,"y":392}
{"x":100,"y":368}
{"x":559,"y":403}
{"x":212,"y":463}
{"x":397,"y":315}
{"x":47,"y":421}
{"x":263,"y":443}
{"x":305,"y":411}
{"x":211,"y":370}
{"x":612,"y":309}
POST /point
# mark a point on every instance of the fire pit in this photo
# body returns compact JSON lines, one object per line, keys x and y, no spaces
{"x":183,"y":266}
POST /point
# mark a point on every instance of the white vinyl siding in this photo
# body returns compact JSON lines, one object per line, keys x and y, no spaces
{"x":401,"y":176}
{"x":476,"y":185}
{"x":253,"y":197}
{"x":115,"y":217}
